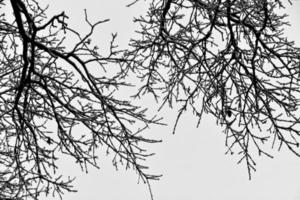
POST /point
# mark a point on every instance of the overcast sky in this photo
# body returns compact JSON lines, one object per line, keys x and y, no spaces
{"x":193,"y":161}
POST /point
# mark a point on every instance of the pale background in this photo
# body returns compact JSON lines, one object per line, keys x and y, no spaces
{"x":193,"y":161}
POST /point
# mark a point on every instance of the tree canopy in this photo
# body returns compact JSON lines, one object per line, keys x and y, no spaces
{"x":230,"y":55}
{"x":233,"y":57}
{"x":42,"y":83}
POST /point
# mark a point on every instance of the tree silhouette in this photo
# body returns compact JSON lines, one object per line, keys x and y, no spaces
{"x":230,"y":57}
{"x":44,"y":83}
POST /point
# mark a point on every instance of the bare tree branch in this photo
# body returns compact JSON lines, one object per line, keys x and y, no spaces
{"x":230,"y":55}
{"x":42,"y":83}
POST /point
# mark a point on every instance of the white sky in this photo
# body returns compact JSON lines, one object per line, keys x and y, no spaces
{"x":193,"y":161}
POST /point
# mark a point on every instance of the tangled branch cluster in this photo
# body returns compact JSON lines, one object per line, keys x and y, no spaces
{"x":41,"y":83}
{"x":229,"y":55}
{"x":233,"y":57}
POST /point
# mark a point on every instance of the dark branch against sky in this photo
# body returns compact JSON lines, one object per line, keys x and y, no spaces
{"x":232,"y":56}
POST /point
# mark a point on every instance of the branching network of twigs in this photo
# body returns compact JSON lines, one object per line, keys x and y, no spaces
{"x":41,"y":84}
{"x":228,"y":58}
{"x":233,"y":58}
